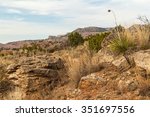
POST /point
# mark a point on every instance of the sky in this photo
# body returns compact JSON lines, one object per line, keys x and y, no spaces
{"x":37,"y":19}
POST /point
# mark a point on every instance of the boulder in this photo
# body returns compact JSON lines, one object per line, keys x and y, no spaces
{"x":55,"y":64}
{"x":128,"y":85}
{"x":142,"y":59}
{"x":121,"y":63}
{"x":12,"y":68}
{"x":91,"y":81}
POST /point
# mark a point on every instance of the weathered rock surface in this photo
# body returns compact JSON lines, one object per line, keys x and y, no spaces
{"x":142,"y":59}
{"x":121,"y":63}
{"x":35,"y":78}
{"x":12,"y":68}
{"x":87,"y":81}
{"x":44,"y":77}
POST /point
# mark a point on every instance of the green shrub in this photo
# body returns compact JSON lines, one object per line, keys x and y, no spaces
{"x":31,"y":49}
{"x":75,"y":39}
{"x":121,"y":45}
{"x":94,"y":41}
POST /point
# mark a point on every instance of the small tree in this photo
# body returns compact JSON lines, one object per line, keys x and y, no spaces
{"x":94,"y":41}
{"x":75,"y":39}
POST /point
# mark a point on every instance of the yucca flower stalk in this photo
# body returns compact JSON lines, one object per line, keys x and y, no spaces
{"x":115,"y":18}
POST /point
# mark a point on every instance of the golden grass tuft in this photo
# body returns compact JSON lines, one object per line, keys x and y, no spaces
{"x":142,"y":36}
{"x":80,"y":62}
{"x":144,"y":87}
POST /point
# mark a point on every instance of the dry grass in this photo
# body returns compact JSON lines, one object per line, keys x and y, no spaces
{"x":4,"y":62}
{"x":80,"y":62}
{"x":142,"y":36}
{"x":122,"y":44}
{"x":144,"y":87}
{"x":2,"y":72}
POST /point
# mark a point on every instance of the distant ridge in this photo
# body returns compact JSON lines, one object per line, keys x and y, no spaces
{"x":83,"y":31}
{"x":90,"y":29}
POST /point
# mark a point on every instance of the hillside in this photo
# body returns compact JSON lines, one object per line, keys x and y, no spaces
{"x":104,"y":66}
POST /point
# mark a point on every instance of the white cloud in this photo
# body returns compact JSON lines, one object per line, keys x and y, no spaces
{"x":35,"y":6}
{"x":12,"y":11}
{"x":74,"y":14}
{"x":25,"y":28}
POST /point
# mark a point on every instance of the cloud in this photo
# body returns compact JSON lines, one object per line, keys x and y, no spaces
{"x":12,"y":30}
{"x":14,"y":11}
{"x":43,"y":7}
{"x":48,"y":17}
{"x":12,"y":27}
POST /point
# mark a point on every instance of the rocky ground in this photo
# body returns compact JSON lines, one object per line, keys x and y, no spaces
{"x":48,"y":77}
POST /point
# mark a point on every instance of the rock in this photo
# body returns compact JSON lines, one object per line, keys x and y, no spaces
{"x":56,"y":64}
{"x":132,"y":85}
{"x":105,"y":56}
{"x":44,"y":72}
{"x":122,"y":86}
{"x":142,"y":73}
{"x":129,"y":85}
{"x":90,"y":81}
{"x":34,"y":78}
{"x":12,"y":68}
{"x":121,"y":63}
{"x":142,"y":59}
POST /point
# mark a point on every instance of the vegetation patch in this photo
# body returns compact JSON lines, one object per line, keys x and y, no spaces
{"x":75,"y":39}
{"x":121,"y":45}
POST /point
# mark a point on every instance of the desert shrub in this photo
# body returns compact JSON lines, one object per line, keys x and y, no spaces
{"x":31,"y":49}
{"x":94,"y":41}
{"x":122,"y":44}
{"x":75,"y":39}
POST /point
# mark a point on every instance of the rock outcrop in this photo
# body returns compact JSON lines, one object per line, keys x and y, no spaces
{"x":142,"y":59}
{"x":121,"y":63}
{"x":35,"y":78}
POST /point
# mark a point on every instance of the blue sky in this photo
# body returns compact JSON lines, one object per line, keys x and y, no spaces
{"x":37,"y":19}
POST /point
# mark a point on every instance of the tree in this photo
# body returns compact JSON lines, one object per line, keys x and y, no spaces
{"x":94,"y":41}
{"x":75,"y":39}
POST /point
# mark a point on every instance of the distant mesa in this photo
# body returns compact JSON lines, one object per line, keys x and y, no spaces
{"x":90,"y":29}
{"x":83,"y":31}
